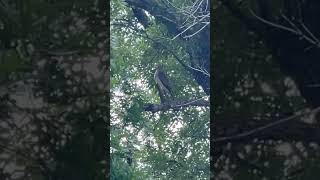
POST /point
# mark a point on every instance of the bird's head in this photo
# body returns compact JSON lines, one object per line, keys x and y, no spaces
{"x":158,"y":66}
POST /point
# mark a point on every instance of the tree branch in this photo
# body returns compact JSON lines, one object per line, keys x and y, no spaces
{"x":176,"y":105}
{"x":297,"y":130}
{"x":308,"y":36}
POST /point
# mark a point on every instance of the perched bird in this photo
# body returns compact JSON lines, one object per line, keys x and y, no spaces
{"x":163,"y":85}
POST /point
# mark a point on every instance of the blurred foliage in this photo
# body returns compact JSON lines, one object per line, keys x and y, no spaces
{"x":251,"y":91}
{"x":53,"y":89}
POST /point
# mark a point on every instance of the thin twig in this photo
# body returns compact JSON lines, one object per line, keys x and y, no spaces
{"x":273,"y":24}
{"x":313,"y":40}
{"x":309,"y":32}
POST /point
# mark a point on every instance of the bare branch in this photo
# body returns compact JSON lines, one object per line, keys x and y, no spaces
{"x":202,"y":70}
{"x":279,"y":26}
{"x":308,"y":36}
{"x":265,"y":127}
{"x":193,"y":15}
{"x":309,"y":32}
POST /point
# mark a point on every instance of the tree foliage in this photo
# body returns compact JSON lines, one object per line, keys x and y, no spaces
{"x":53,"y":86}
{"x":171,"y":142}
{"x":265,"y":122}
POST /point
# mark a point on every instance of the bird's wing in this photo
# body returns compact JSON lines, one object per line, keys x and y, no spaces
{"x":163,"y":78}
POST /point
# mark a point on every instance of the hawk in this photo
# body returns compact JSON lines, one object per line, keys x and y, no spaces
{"x":163,"y":84}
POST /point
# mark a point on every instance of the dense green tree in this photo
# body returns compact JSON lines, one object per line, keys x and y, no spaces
{"x":153,"y":138}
